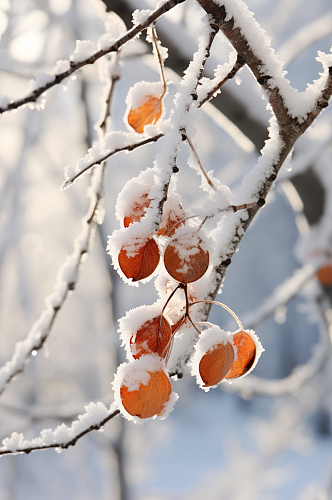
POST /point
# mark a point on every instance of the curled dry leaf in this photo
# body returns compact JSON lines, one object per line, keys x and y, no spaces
{"x":148,"y":400}
{"x":147,"y":113}
{"x":245,"y":357}
{"x":324,"y":275}
{"x":153,"y":337}
{"x":140,"y":262}
{"x":186,"y":258}
{"x":171,"y":220}
{"x":216,"y":363}
{"x":136,"y":211}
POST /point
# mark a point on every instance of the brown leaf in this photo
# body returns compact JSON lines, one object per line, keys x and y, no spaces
{"x":186,"y":258}
{"x":142,"y":263}
{"x":149,"y":112}
{"x":153,"y":337}
{"x":171,"y":221}
{"x":148,"y":400}
{"x":216,"y":363}
{"x":136,"y":211}
{"x":324,"y":275}
{"x":246,"y":354}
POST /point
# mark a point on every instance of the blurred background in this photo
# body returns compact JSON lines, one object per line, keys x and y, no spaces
{"x":266,"y":439}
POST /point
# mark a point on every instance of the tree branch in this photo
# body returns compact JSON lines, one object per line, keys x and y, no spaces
{"x":95,"y":417}
{"x":55,"y":79}
{"x":66,"y":281}
{"x":282,"y":141}
{"x":284,"y":132}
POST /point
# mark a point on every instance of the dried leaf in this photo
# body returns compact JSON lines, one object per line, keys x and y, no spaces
{"x":171,"y":221}
{"x":136,"y":211}
{"x":148,"y":400}
{"x":153,"y":337}
{"x":148,"y":113}
{"x":186,"y":258}
{"x":216,"y":363}
{"x":142,"y":263}
{"x":245,"y":357}
{"x":324,"y":275}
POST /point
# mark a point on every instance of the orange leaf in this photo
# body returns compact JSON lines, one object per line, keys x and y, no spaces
{"x":246,"y":354}
{"x":153,"y":337}
{"x":148,"y":400}
{"x":149,"y":112}
{"x":186,"y":258}
{"x":216,"y":363}
{"x":142,"y":263}
{"x":324,"y":275}
{"x":136,"y":211}
{"x":171,"y":221}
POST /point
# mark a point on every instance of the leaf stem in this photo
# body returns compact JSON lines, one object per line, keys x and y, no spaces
{"x":221,"y":305}
{"x":155,"y":41}
{"x":208,"y":180}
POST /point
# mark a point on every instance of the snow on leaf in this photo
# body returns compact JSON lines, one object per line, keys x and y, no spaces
{"x":149,"y":399}
{"x":186,"y":258}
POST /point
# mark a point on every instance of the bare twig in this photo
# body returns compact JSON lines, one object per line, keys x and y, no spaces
{"x":207,"y":178}
{"x":160,"y":61}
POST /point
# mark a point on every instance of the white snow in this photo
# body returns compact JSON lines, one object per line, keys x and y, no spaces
{"x":299,"y":104}
{"x":83,"y":50}
{"x":140,"y":16}
{"x":94,"y":414}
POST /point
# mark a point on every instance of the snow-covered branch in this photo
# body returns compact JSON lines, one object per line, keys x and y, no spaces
{"x":66,"y":282}
{"x":85,"y":54}
{"x":281,"y":295}
{"x":95,"y":417}
{"x":293,"y":112}
{"x":104,"y":150}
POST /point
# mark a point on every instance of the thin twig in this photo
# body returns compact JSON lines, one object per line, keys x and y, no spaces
{"x":108,"y":102}
{"x":160,"y":61}
{"x":207,"y":178}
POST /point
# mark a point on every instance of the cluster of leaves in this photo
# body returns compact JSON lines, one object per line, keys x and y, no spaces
{"x":142,"y":386}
